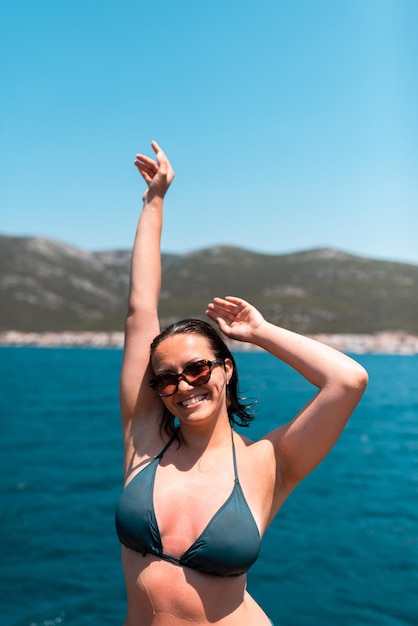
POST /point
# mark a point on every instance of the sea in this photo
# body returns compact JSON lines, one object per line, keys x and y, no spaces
{"x":343,"y":549}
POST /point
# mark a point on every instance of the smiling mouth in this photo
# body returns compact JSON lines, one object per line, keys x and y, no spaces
{"x":193,"y":400}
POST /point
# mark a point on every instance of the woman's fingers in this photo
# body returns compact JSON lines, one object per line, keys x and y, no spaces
{"x":143,"y":158}
{"x":158,"y":151}
{"x":237,"y":301}
{"x":229,"y":306}
{"x":149,"y":168}
{"x":223,"y":322}
{"x":217,"y":306}
{"x":146,"y":172}
{"x":220,"y":309}
{"x":164,"y":164}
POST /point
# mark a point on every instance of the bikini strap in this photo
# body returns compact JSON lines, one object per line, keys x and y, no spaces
{"x":234,"y":456}
{"x":167,"y":445}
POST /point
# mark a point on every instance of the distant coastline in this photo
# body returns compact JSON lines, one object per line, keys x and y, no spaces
{"x":388,"y":342}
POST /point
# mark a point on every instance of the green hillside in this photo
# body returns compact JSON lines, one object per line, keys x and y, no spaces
{"x":48,"y":285}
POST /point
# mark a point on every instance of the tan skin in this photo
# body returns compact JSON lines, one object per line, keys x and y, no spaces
{"x":199,"y":474}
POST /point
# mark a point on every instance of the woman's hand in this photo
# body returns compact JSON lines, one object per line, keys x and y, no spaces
{"x":157,"y":174}
{"x":236,"y":318}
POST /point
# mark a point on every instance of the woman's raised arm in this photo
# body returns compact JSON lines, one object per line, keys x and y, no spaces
{"x":142,"y":325}
{"x":302,"y":443}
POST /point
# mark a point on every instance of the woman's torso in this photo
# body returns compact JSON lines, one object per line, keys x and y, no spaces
{"x":189,"y":504}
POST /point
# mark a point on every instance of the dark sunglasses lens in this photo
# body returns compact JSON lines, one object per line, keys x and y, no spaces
{"x":166,"y":384}
{"x":197,"y":373}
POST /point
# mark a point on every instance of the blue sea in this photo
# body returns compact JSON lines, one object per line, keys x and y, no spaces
{"x":343,"y":550}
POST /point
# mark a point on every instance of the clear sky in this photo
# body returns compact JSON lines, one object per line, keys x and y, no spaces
{"x":290,"y":124}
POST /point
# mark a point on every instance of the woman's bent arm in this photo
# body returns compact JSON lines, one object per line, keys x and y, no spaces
{"x":303,"y":442}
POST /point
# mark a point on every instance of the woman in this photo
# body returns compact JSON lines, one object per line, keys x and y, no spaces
{"x":199,"y":497}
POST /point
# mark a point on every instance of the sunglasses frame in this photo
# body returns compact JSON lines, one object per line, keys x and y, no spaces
{"x":153,"y":383}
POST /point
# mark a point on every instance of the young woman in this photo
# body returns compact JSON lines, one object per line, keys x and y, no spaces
{"x":199,"y":497}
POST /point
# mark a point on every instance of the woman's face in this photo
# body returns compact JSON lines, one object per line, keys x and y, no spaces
{"x":188,"y":403}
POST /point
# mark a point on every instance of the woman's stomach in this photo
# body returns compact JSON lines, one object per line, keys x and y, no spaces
{"x":160,"y":593}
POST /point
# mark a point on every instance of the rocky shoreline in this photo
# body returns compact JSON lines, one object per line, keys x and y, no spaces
{"x":395,"y":342}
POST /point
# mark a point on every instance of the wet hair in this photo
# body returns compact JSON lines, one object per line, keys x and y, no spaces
{"x":238,"y":411}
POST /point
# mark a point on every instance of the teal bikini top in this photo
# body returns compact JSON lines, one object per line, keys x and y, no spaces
{"x":228,"y":546}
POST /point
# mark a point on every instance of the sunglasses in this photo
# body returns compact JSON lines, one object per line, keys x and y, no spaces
{"x":195,"y":374}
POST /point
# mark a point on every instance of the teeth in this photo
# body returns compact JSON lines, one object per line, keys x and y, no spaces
{"x":193,"y":400}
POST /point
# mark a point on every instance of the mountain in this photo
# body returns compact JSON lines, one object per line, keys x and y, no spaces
{"x":48,"y":285}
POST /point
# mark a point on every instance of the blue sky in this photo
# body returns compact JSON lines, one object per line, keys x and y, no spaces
{"x":290,"y":125}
